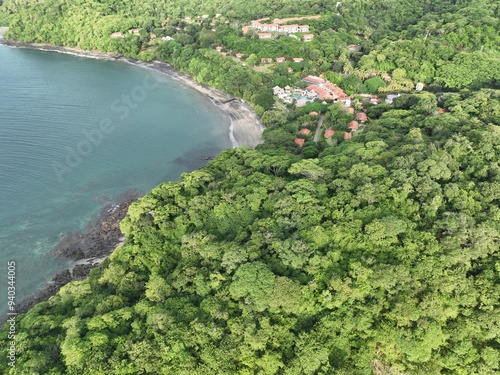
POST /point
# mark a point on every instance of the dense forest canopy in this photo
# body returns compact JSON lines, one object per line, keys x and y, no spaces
{"x":378,"y":254}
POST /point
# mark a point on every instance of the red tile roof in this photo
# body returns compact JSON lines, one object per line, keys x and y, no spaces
{"x":300,"y":141}
{"x":329,"y":133}
{"x":361,"y":116}
{"x":323,"y":94}
{"x":347,"y":136}
{"x":313,"y":113}
{"x":305,"y":131}
{"x":350,"y":110}
{"x":353,"y":125}
{"x":336,"y":91}
{"x":313,"y":79}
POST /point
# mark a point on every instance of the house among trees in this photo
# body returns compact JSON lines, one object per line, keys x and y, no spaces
{"x":353,"y":125}
{"x":347,"y":136}
{"x":117,"y":35}
{"x":361,"y":116}
{"x":134,"y":31}
{"x":280,"y":59}
{"x":298,"y":59}
{"x":265,"y":60}
{"x":307,"y":37}
{"x":300,"y":141}
{"x":218,"y":48}
{"x":187,"y":17}
{"x":305,"y":131}
{"x":329,"y":133}
{"x":239,"y":55}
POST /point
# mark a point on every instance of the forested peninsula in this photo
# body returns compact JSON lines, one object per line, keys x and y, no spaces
{"x":362,"y":236}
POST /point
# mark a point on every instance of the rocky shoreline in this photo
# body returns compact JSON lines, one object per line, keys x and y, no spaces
{"x":88,"y":248}
{"x":246,"y":128}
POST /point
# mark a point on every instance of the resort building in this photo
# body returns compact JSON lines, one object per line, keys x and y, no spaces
{"x":280,"y":59}
{"x":327,"y":90}
{"x":277,"y":25}
{"x":278,"y":90}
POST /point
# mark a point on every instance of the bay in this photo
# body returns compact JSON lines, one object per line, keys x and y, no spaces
{"x":75,"y":134}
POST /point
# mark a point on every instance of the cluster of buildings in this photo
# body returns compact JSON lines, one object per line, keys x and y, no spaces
{"x":265,"y":29}
{"x":318,"y":88}
{"x":353,"y":125}
{"x":325,"y":90}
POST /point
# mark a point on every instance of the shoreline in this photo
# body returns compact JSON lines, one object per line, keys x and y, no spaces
{"x":86,"y":249}
{"x":245,"y":128}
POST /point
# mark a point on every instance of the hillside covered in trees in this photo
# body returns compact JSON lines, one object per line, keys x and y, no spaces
{"x":374,"y":255}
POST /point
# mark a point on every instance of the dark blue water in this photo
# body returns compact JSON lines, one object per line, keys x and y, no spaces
{"x":75,"y":134}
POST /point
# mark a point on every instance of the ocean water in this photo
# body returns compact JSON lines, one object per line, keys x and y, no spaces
{"x":75,"y":134}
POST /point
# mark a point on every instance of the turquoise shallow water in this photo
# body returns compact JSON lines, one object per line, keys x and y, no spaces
{"x":75,"y":134}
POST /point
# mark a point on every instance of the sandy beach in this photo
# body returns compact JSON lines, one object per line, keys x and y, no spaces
{"x":246,"y":128}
